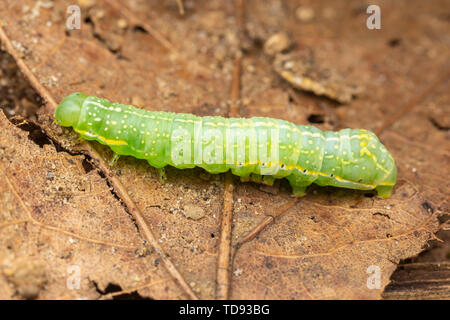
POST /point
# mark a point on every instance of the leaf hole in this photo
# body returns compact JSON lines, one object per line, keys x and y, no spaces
{"x":382,"y":214}
{"x":112,"y":288}
{"x":140,"y":29}
{"x":36,"y":134}
{"x":316,"y":118}
{"x":437,"y":125}
{"x":394,"y":42}
{"x":428,"y":207}
{"x":87,"y":165}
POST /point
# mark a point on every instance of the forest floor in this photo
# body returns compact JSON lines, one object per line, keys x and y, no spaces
{"x":131,"y":234}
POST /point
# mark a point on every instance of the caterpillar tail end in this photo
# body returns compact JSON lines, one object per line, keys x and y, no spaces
{"x":384,"y":191}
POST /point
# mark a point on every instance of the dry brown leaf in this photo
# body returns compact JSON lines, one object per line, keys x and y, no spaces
{"x":56,"y":218}
{"x":320,"y":248}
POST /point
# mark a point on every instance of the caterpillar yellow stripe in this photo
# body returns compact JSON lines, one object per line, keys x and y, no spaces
{"x":260,"y":149}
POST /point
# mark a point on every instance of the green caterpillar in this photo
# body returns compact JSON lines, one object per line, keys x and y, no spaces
{"x":261,"y":149}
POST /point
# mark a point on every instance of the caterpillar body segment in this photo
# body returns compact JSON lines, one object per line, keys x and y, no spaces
{"x":252,"y":148}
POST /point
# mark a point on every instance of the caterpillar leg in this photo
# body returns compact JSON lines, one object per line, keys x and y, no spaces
{"x":161,"y":174}
{"x":114,"y":159}
{"x":245,"y":179}
{"x":299,"y":191}
{"x":384,"y":191}
{"x":268,"y":180}
{"x":256,"y":178}
{"x":263,"y":179}
{"x":80,"y":139}
{"x":299,"y":183}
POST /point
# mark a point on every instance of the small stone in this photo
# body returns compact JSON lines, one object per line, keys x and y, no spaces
{"x":194,"y":212}
{"x":28,"y":277}
{"x":86,"y":3}
{"x":277,"y":43}
{"x":137,"y":101}
{"x":305,"y":14}
{"x":122,"y":23}
{"x":46,"y":4}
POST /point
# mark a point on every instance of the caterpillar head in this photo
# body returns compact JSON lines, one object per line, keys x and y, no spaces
{"x":68,"y":110}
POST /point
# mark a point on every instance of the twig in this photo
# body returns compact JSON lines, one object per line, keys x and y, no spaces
{"x":223,"y":264}
{"x":223,"y":260}
{"x":261,"y":226}
{"x":265,"y":222}
{"x":103,"y":166}
{"x":240,"y":14}
{"x":180,"y":7}
{"x":139,"y":218}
